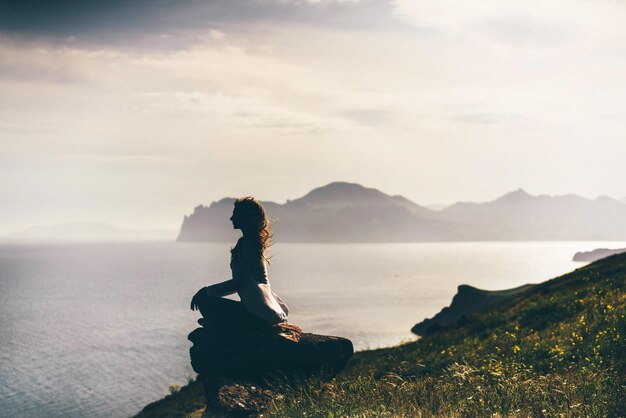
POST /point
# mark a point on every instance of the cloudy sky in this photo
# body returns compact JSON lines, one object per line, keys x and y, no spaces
{"x":133,"y":112}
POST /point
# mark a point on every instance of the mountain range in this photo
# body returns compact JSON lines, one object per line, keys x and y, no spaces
{"x":349,"y":212}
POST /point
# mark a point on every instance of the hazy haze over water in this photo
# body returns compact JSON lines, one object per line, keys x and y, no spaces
{"x":100,"y":329}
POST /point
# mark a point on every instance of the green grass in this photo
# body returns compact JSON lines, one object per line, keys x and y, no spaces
{"x":555,"y":350}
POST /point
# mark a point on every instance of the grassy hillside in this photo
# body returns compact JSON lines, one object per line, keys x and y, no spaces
{"x":555,"y":350}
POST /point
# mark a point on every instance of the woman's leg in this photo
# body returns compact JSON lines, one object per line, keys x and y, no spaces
{"x":215,"y":308}
{"x":226,"y":313}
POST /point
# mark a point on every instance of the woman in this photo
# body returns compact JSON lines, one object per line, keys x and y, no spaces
{"x":260,"y":309}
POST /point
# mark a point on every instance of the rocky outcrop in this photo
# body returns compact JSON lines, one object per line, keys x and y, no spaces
{"x":597,"y":254}
{"x":467,"y":301}
{"x":220,"y":354}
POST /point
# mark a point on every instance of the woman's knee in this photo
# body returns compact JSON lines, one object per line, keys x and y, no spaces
{"x":212,"y":307}
{"x":205,"y":304}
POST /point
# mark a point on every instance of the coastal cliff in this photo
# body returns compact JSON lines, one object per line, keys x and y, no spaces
{"x":468,"y":300}
{"x":552,"y":349}
{"x":597,"y":254}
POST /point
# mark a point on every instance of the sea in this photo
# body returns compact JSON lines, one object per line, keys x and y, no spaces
{"x":100,"y":329}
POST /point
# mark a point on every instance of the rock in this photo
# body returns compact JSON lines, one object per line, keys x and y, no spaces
{"x":467,"y":301}
{"x":226,"y":353}
{"x":255,"y":354}
{"x":597,"y":254}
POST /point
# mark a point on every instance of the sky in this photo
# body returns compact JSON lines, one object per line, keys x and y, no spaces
{"x":133,"y":112}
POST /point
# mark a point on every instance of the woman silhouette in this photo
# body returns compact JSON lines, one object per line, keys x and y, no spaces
{"x":260,"y":308}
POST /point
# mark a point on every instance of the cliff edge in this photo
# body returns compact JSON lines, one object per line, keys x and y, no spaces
{"x":467,"y":301}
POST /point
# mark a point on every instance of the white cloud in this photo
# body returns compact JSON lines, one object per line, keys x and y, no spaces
{"x":533,"y":23}
{"x":243,"y":113}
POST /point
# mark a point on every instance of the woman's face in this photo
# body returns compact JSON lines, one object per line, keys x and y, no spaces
{"x":236,"y":219}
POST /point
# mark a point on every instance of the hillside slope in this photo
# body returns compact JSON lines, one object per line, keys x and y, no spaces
{"x":555,"y":349}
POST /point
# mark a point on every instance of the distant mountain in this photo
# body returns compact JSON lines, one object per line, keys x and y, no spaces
{"x":521,"y":216}
{"x":337,"y":212}
{"x":436,"y":206}
{"x":349,"y":212}
{"x":88,"y":231}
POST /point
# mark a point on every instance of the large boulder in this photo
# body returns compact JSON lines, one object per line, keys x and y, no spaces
{"x":219,"y":353}
{"x":256,"y":354}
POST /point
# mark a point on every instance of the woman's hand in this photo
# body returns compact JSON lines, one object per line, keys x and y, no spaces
{"x":225,"y":288}
{"x":197,"y":298}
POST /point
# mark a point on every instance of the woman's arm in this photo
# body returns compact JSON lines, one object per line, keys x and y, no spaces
{"x":222,"y":289}
{"x":225,"y":288}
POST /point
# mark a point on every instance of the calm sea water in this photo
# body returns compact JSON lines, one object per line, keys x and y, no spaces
{"x":99,"y":329}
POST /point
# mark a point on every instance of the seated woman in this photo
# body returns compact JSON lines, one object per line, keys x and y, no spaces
{"x":260,"y":308}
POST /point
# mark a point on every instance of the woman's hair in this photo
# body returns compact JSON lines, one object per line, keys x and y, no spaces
{"x":255,"y":222}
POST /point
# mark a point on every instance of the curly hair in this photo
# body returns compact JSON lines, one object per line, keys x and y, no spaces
{"x":255,"y":222}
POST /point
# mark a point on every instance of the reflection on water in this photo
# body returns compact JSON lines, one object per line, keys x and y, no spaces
{"x":100,"y":329}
